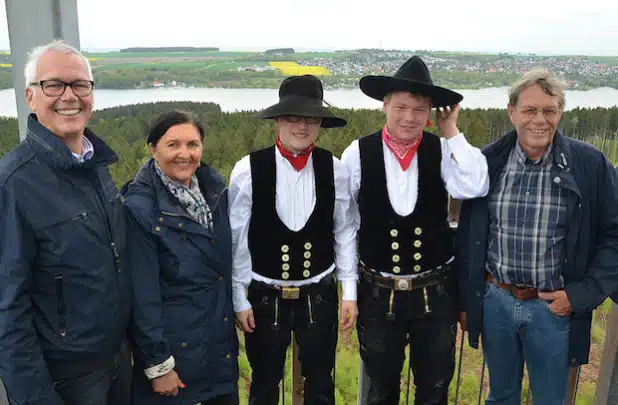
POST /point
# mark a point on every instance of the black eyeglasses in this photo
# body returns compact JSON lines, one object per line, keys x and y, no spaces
{"x":297,"y":118}
{"x":55,"y":88}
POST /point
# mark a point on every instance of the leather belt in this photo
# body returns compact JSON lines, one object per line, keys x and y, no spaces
{"x":432,"y":277}
{"x":294,"y":293}
{"x":521,"y":293}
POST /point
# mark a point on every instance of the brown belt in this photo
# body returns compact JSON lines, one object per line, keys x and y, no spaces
{"x":521,"y":293}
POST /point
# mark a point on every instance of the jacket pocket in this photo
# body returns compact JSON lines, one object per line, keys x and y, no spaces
{"x":61,"y":307}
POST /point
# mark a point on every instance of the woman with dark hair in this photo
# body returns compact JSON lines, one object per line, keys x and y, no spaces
{"x":184,"y":334}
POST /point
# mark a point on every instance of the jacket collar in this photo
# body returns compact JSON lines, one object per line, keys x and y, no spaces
{"x":56,"y":154}
{"x":211,"y":186}
{"x":498,"y":152}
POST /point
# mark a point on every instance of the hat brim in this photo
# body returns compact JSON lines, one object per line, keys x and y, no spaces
{"x":302,"y":109}
{"x":378,"y":87}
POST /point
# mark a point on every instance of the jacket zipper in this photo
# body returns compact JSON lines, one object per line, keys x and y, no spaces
{"x":108,"y":227}
{"x":61,"y":306}
{"x":83,"y":215}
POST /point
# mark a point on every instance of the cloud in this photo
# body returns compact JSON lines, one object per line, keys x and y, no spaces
{"x":475,"y":25}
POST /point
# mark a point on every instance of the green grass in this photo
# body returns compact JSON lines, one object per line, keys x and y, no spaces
{"x":606,"y":60}
{"x":216,"y":54}
{"x":203,"y":64}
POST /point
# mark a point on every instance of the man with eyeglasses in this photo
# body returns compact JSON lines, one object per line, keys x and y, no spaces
{"x":64,"y":281}
{"x":539,"y":253}
{"x":291,"y":235}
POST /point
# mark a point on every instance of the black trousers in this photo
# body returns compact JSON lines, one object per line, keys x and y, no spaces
{"x":227,"y":399}
{"x":313,"y":318}
{"x":431,"y":336}
{"x":109,"y":384}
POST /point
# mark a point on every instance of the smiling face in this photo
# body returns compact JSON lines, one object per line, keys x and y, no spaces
{"x":66,"y":115}
{"x":297,"y":137}
{"x":406,"y":114}
{"x":535,"y":117}
{"x":178,"y":152}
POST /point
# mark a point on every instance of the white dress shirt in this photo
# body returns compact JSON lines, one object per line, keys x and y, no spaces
{"x":295,"y":201}
{"x":463,"y":170}
{"x":87,"y":151}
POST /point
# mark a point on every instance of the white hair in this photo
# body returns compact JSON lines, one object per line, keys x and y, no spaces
{"x":56,"y":45}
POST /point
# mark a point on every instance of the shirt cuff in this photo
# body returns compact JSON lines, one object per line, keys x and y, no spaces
{"x":457,"y":143}
{"x":160,"y":369}
{"x":239,"y":298}
{"x":348,"y":289}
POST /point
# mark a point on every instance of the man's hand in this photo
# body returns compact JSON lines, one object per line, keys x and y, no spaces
{"x":167,"y":384}
{"x":447,"y":120}
{"x":560,"y":304}
{"x":349,"y":313}
{"x":245,"y":320}
{"x":463,"y":321}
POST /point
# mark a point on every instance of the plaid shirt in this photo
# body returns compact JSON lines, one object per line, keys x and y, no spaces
{"x":527,"y":212}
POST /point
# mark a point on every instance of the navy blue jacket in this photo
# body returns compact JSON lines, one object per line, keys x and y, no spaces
{"x":590,"y":267}
{"x":182,"y":278}
{"x":64,"y":285}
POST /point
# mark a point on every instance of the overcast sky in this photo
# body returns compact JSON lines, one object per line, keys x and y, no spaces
{"x":526,"y":26}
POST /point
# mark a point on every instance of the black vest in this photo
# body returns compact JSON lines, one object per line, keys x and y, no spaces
{"x":276,"y":251}
{"x":403,"y":245}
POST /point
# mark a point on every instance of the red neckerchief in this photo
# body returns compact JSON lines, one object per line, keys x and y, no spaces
{"x":298,"y":161}
{"x":404,"y":151}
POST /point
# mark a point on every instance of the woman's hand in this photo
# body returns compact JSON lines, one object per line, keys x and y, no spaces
{"x":167,"y":384}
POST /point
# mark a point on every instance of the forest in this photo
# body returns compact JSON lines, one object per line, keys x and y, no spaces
{"x":230,"y":136}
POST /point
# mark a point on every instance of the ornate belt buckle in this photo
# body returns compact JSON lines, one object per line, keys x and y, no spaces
{"x":290,"y":293}
{"x":403,"y":284}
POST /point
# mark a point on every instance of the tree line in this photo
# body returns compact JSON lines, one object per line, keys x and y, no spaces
{"x":230,"y":136}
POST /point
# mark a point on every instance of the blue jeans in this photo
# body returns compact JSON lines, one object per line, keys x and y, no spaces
{"x":516,"y":331}
{"x":109,"y":384}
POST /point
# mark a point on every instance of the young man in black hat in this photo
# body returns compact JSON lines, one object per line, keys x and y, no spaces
{"x":400,"y":180}
{"x":289,"y":206}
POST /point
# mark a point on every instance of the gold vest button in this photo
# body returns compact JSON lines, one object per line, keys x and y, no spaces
{"x":285,"y":275}
{"x":394,"y":232}
{"x":417,"y":268}
{"x":418,"y":231}
{"x":308,"y":245}
{"x":285,"y":248}
{"x":307,"y":264}
{"x":306,"y":273}
{"x":307,"y":255}
{"x":396,"y":269}
{"x":395,"y":245}
{"x":417,"y":243}
{"x":396,"y":258}
{"x":285,"y":266}
{"x":285,"y":257}
{"x":417,"y":256}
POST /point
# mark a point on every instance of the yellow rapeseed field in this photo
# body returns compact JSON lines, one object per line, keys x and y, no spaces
{"x":294,"y":69}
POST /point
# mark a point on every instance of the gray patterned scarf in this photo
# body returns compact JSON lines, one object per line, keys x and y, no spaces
{"x":190,"y":198}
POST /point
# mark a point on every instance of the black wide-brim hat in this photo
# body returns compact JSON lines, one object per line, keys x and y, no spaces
{"x":302,"y":96}
{"x":412,"y":77}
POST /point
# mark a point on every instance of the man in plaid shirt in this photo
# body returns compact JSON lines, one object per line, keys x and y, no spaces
{"x":539,"y":253}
